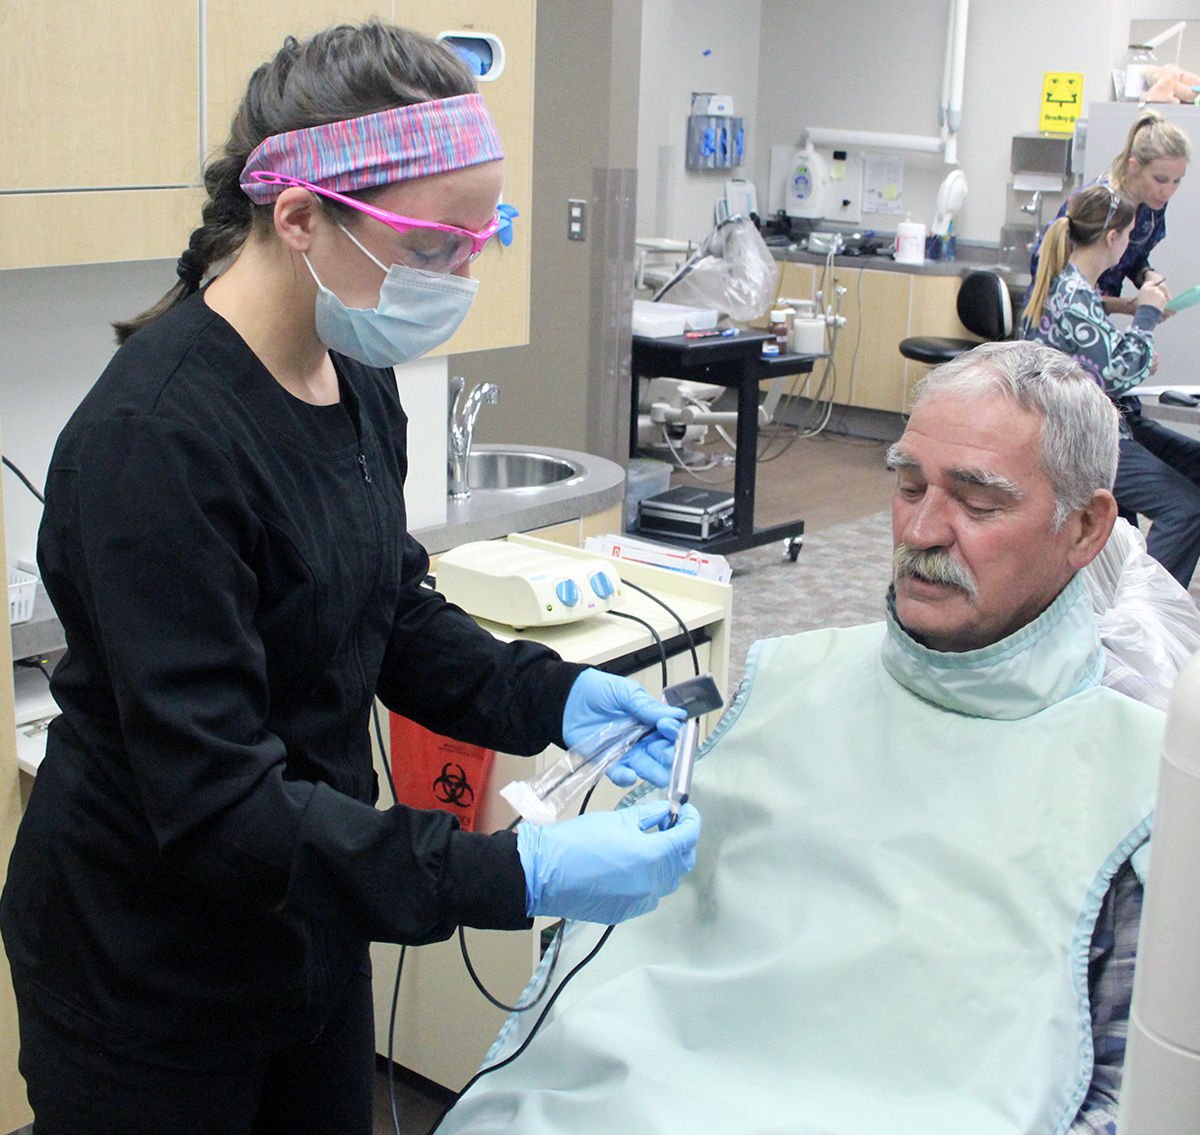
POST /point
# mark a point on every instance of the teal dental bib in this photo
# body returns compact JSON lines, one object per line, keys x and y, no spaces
{"x":887,"y":929}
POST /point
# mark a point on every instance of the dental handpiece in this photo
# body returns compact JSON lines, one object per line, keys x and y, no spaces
{"x":680,"y":785}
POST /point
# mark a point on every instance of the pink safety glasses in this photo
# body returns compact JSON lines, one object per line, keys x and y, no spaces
{"x":455,"y":248}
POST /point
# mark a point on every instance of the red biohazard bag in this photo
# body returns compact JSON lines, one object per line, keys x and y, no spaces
{"x":432,"y":771}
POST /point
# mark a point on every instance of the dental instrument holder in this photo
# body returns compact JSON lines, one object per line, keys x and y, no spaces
{"x":543,"y":799}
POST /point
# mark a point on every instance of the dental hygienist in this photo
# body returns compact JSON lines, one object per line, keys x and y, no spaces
{"x":201,"y":865}
{"x":1147,"y":172}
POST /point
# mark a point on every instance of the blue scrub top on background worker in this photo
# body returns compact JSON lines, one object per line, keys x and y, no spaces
{"x":1147,"y":173}
{"x":201,"y":865}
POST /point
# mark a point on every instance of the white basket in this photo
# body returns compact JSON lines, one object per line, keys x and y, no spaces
{"x":21,"y":590}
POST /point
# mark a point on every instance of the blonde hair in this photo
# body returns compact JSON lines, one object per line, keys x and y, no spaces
{"x":1150,"y":137}
{"x":1090,"y":214}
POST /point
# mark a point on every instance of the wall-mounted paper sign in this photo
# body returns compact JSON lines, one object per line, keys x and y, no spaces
{"x":1062,"y":101}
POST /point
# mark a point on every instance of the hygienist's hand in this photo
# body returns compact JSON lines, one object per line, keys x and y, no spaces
{"x":1153,"y":294}
{"x":606,"y":866}
{"x":598,"y":699}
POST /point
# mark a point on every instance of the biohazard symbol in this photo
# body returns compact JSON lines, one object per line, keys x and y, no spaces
{"x":452,"y":786}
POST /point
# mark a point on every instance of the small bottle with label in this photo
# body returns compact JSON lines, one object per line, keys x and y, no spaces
{"x":777,"y":326}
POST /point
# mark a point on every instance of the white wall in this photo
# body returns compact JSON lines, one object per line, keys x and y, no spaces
{"x":54,"y":324}
{"x":863,"y":64}
{"x":691,"y":45}
{"x":55,"y":328}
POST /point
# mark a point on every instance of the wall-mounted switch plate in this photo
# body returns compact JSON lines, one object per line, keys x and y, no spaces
{"x":576,"y":219}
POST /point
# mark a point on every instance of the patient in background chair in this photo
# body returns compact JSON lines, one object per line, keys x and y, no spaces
{"x":915,"y":905}
{"x":1158,"y":471}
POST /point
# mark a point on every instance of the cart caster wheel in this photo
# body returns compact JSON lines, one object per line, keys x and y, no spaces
{"x":792,"y":546}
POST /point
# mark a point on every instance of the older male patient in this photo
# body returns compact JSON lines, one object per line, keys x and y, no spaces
{"x":914,"y":902}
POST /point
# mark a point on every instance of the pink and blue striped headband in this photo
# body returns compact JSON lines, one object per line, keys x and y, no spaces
{"x":399,"y":144}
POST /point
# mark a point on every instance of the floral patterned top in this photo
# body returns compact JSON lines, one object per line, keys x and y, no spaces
{"x":1073,"y":321}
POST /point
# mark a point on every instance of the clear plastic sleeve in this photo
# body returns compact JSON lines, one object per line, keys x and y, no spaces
{"x":733,"y":273}
{"x":543,"y":799}
{"x":1149,"y":625}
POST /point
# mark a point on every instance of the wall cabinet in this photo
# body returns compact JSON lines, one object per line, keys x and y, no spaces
{"x":103,"y":95}
{"x":880,"y":309}
{"x":99,"y":130}
{"x":500,"y":314}
{"x":117,"y":107}
{"x":14,"y":1108}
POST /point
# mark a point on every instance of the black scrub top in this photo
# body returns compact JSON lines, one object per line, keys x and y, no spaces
{"x":201,"y":864}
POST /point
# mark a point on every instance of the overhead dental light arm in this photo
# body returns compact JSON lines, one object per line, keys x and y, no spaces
{"x":826,"y":136}
{"x":958,"y":63}
{"x":949,"y":109}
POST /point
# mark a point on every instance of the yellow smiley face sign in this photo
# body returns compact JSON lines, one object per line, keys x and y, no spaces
{"x":1062,"y":101}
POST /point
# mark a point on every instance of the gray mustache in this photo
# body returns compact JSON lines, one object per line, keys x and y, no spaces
{"x":934,"y":566}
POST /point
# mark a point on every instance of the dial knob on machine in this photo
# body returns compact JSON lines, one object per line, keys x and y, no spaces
{"x":567,"y":591}
{"x":602,"y":584}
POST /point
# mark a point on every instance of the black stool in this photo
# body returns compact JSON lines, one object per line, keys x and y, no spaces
{"x":984,"y":307}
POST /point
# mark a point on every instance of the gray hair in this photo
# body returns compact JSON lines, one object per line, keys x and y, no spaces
{"x":1079,"y":422}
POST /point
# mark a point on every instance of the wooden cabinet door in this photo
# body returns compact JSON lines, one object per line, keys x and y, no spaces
{"x":42,"y":229}
{"x":878,"y":381}
{"x":101,"y":98}
{"x":499,"y":316}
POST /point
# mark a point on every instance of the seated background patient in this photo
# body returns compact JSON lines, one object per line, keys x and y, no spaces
{"x":1158,"y":473}
{"x":914,"y":909}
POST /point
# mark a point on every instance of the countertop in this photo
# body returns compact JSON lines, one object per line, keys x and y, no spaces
{"x":486,"y":515}
{"x":969,"y":258}
{"x":491,"y":513}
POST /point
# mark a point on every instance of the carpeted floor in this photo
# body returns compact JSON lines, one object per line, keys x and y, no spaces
{"x":838,"y":580}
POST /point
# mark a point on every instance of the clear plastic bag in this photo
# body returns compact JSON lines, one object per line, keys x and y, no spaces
{"x":1148,"y":623}
{"x":732,"y":273}
{"x":544,"y":799}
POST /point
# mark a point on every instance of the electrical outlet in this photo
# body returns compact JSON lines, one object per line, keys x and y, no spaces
{"x":576,"y":219}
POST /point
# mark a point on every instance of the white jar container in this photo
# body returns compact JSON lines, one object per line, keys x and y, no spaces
{"x":808,"y":335}
{"x":910,"y":243}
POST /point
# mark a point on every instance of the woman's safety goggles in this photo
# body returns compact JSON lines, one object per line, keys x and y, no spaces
{"x":430,"y":246}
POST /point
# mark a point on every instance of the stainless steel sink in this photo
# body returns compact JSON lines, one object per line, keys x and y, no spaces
{"x":515,"y":469}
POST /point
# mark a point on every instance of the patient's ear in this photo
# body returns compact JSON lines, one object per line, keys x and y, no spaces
{"x":1089,"y":528}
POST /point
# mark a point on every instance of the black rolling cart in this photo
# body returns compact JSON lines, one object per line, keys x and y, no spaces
{"x":734,"y":361}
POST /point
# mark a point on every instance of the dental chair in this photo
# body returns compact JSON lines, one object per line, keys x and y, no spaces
{"x":984,"y":308}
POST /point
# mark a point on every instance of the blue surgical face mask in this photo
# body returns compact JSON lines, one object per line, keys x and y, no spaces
{"x":417,"y":311}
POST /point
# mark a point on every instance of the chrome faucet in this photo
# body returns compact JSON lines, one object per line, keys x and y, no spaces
{"x":462,"y":430}
{"x":1034,"y":207}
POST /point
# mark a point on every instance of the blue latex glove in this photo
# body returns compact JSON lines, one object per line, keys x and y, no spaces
{"x":606,"y":866}
{"x":597,"y":699}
